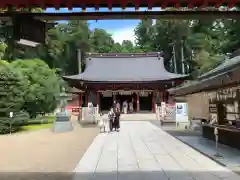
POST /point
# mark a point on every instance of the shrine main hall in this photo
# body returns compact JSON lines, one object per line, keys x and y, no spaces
{"x":108,"y":78}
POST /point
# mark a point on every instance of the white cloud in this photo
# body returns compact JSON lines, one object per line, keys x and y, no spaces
{"x":123,"y":34}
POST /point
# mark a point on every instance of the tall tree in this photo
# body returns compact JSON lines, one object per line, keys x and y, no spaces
{"x":102,"y":41}
{"x":144,"y":33}
{"x":127,"y":46}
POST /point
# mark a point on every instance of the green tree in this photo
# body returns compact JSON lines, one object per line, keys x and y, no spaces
{"x":12,"y":91}
{"x":43,"y":86}
{"x":145,"y":33}
{"x":127,"y":46}
{"x":117,"y":48}
{"x":3,"y":47}
{"x":102,"y":42}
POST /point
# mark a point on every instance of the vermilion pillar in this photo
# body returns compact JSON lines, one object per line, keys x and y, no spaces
{"x":80,"y":106}
{"x":80,"y":100}
{"x":138,"y":102}
{"x":86,"y":98}
{"x":98,"y":101}
{"x":161,"y":96}
{"x":154,"y":101}
{"x":164,"y":96}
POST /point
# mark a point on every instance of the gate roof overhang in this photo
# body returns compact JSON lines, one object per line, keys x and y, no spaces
{"x":125,"y":15}
{"x":117,"y":3}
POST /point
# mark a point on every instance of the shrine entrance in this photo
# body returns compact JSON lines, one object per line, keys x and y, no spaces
{"x":127,"y":96}
{"x":146,"y":101}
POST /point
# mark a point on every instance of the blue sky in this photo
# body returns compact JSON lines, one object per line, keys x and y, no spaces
{"x":120,"y":29}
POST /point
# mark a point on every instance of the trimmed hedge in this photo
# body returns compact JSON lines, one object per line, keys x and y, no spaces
{"x":14,"y":124}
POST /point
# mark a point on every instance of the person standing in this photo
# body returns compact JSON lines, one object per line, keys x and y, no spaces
{"x":117,"y":119}
{"x":118,"y":105}
{"x":111,"y":116}
{"x":131,"y":107}
{"x":125,"y":107}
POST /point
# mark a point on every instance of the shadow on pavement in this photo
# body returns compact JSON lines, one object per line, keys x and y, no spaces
{"x":171,"y":129}
{"x":128,"y":175}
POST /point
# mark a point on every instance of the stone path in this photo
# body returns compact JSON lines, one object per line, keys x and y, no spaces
{"x":142,"y":151}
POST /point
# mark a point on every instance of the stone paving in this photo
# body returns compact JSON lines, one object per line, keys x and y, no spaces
{"x":142,"y":151}
{"x":231,"y":156}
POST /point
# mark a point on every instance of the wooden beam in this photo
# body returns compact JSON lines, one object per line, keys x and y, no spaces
{"x":126,"y":15}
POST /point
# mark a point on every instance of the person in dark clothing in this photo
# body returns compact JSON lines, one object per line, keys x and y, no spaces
{"x":117,"y":119}
{"x":111,"y":116}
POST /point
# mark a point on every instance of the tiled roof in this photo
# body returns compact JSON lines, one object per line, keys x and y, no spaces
{"x":125,"y":69}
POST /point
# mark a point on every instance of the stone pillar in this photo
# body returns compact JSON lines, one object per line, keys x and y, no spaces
{"x":98,"y":101}
{"x":154,"y":102}
{"x":138,"y":102}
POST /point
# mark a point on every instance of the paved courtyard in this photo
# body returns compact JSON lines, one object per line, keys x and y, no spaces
{"x":142,"y":151}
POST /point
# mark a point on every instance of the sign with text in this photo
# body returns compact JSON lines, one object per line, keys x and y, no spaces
{"x":163,"y":109}
{"x":181,"y":113}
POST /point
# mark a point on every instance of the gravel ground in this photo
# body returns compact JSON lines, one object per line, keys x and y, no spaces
{"x":43,"y":154}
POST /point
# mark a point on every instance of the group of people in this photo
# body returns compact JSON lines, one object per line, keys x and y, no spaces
{"x":126,"y":107}
{"x":114,"y":119}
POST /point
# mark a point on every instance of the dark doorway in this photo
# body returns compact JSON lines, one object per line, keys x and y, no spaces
{"x":146,"y":103}
{"x":106,"y":103}
{"x":84,"y":100}
{"x":221,"y":113}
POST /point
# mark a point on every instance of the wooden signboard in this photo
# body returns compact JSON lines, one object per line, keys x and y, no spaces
{"x":212,"y":108}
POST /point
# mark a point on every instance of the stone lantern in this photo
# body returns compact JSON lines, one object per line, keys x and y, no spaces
{"x":63,"y":123}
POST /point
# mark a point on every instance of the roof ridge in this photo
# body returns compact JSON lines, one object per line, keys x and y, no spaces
{"x":118,"y":55}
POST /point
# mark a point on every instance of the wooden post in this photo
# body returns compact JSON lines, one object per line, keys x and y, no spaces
{"x":138,"y":102}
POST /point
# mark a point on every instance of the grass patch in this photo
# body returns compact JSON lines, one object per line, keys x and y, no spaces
{"x":39,"y":123}
{"x":36,"y":127}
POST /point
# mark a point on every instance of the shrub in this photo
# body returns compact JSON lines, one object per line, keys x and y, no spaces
{"x":12,"y":87}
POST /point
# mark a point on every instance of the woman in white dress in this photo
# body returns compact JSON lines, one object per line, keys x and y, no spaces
{"x":125,"y":107}
{"x":118,"y":105}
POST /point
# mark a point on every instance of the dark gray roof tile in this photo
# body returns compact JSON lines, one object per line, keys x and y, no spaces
{"x":125,"y":69}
